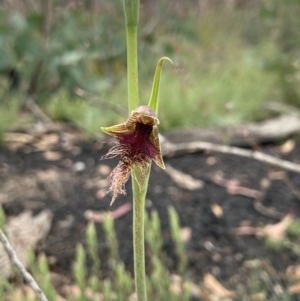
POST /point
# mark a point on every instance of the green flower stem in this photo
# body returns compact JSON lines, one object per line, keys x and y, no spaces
{"x":139,"y":181}
{"x":131,"y":9}
{"x":139,"y":194}
{"x":132,"y":68}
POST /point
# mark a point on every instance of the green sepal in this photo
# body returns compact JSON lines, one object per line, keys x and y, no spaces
{"x":153,"y":102}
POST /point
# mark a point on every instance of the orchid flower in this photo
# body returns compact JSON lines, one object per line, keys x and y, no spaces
{"x":137,"y":144}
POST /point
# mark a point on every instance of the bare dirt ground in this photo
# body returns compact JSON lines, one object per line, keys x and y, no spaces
{"x":226,"y":197}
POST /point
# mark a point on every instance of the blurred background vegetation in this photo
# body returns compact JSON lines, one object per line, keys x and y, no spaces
{"x":69,"y":57}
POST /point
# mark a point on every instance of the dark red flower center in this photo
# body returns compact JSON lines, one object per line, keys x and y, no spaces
{"x":139,"y":142}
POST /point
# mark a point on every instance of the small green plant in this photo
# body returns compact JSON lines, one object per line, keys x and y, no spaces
{"x":8,"y":116}
{"x":91,"y":239}
{"x":276,"y":245}
{"x":153,"y":234}
{"x":39,"y":267}
{"x":119,"y":283}
{"x":80,"y":271}
{"x":108,"y":224}
{"x":294,"y":229}
{"x":2,"y":217}
{"x":289,"y":241}
{"x":179,"y":244}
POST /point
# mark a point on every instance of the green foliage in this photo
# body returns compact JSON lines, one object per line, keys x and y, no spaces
{"x":108,"y":225}
{"x":5,"y":287}
{"x":64,"y":107}
{"x":2,"y":217}
{"x":108,"y":290}
{"x":45,"y":281}
{"x":294,"y":229}
{"x":50,"y":62}
{"x":159,"y":282}
{"x":284,"y":25}
{"x":67,"y":54}
{"x":160,"y":279}
{"x":276,"y":245}
{"x":119,"y":285}
{"x":91,"y":238}
{"x":80,"y":271}
{"x":39,"y":268}
{"x":179,"y":244}
{"x":227,"y":64}
{"x":218,"y":71}
{"x":153,"y":234}
{"x":290,"y":240}
{"x":263,"y":280}
{"x":123,"y":282}
{"x":8,"y":116}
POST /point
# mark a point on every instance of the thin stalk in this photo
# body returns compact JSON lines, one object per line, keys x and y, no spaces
{"x":139,"y":181}
{"x":132,"y":68}
{"x":131,"y":9}
{"x":139,"y":194}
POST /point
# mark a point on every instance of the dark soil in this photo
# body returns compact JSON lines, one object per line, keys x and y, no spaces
{"x":68,"y":191}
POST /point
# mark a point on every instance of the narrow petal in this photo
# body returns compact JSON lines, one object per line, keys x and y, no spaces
{"x":116,"y":129}
{"x":153,"y":102}
{"x":159,"y":161}
{"x":154,"y":138}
